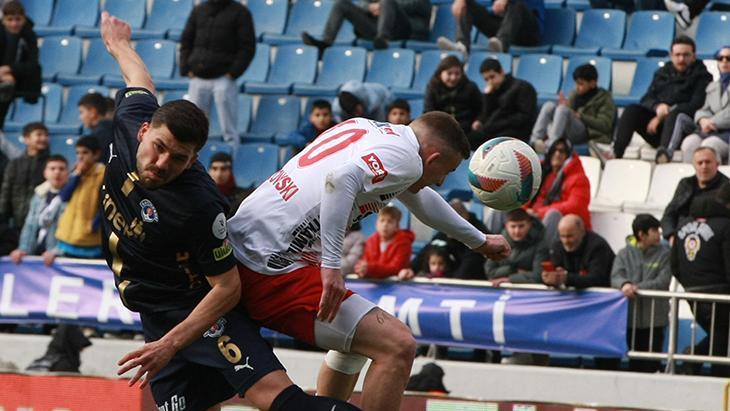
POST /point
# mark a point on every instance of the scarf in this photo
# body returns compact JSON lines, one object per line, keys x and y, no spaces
{"x":553,"y":194}
{"x":583,"y":99}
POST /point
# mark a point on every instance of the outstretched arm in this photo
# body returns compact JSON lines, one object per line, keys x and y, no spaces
{"x":117,"y":39}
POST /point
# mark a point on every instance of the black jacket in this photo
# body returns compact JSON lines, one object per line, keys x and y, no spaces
{"x":524,"y":264}
{"x":20,"y":179}
{"x":510,"y":111}
{"x":685,"y":90}
{"x":464,"y":101}
{"x":24,"y":63}
{"x":686,"y":191}
{"x":589,"y":265}
{"x":218,"y":39}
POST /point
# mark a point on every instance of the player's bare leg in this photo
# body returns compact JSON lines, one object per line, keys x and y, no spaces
{"x":263,"y":393}
{"x":335,"y":384}
{"x":392,"y":348}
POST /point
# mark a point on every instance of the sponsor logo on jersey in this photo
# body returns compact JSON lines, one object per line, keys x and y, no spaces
{"x":149,"y":212}
{"x":284,"y":185}
{"x":135,"y":229}
{"x":240,"y":367}
{"x":222,"y":252}
{"x":176,"y":403}
{"x":384,"y":128}
{"x":216,"y":330}
{"x":376,"y":167}
{"x":219,"y":227}
{"x":133,"y":92}
{"x":389,"y":196}
{"x":303,"y":237}
{"x":370,"y":208}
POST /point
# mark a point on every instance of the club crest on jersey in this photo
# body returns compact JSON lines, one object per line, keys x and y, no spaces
{"x":376,"y":166}
{"x":216,"y":330}
{"x":149,"y":212}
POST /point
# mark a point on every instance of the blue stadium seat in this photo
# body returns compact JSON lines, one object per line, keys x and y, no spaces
{"x":131,"y":11}
{"x":47,"y":109}
{"x":64,"y":145}
{"x":60,"y":55}
{"x":16,"y":139}
{"x":98,"y":62}
{"x":177,"y":82}
{"x":476,"y":59}
{"x":392,"y":67}
{"x":645,"y":69}
{"x":339,"y":65}
{"x":603,"y":28}
{"x":269,"y":16}
{"x":543,"y":71}
{"x":293,"y":64}
{"x":39,"y":11}
{"x":275,"y":114}
{"x":174,"y":95}
{"x":456,"y":184}
{"x":602,"y":64}
{"x":243,"y":121}
{"x":416,"y":107}
{"x":210,"y":148}
{"x":305,"y":15}
{"x":346,"y":35}
{"x":430,"y":59}
{"x":69,"y":119}
{"x":405,"y":220}
{"x":559,"y":30}
{"x":650,"y":33}
{"x":69,"y":14}
{"x":367,"y":225}
{"x":578,"y":5}
{"x":167,"y":18}
{"x":713,"y":32}
{"x":443,"y":25}
{"x":258,"y":70}
{"x":158,"y":55}
{"x":254,"y":163}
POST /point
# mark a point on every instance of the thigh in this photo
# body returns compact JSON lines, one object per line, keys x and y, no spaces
{"x":200,"y":92}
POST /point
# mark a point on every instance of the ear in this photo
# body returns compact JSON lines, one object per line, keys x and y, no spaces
{"x":142,"y":131}
{"x":192,"y":161}
{"x":432,"y":158}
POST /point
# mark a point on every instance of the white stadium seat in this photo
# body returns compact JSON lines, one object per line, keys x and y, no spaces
{"x":613,"y":226}
{"x":622,"y":181}
{"x":663,"y":183}
{"x":592,"y":167}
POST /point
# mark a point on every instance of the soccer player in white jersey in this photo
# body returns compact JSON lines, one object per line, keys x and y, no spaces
{"x":288,"y":237}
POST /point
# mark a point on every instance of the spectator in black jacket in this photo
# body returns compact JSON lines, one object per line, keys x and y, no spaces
{"x":509,"y":109}
{"x":581,"y":258}
{"x":526,"y":236}
{"x":20,"y":72}
{"x":704,"y":183}
{"x":221,"y":171}
{"x":92,"y":112}
{"x":676,"y":88}
{"x":451,"y":91}
{"x":217,"y":45}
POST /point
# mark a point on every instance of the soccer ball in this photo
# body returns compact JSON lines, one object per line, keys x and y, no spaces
{"x":504,"y":173}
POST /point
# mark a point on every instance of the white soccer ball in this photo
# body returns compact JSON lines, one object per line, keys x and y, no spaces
{"x":504,"y":173}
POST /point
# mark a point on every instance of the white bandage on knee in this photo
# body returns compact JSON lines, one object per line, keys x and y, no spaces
{"x":346,"y":363}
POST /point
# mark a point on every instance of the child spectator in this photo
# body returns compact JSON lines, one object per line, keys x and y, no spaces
{"x":320,"y":119}
{"x":220,"y":170}
{"x":78,"y":233}
{"x":39,"y":231}
{"x":399,"y":112}
{"x":92,"y":112}
{"x":353,"y":247}
{"x":389,"y":249}
{"x":451,"y":91}
{"x":440,"y":262}
{"x":23,"y":174}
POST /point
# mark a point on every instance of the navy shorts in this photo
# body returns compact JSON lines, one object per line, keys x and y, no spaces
{"x":228,"y":359}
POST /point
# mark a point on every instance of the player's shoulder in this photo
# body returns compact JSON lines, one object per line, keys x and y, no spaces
{"x":195,"y":192}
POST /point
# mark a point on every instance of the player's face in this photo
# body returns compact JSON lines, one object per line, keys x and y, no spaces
{"x":518,"y":230}
{"x":56,"y":173}
{"x":13,"y":23}
{"x":706,"y":165}
{"x":436,"y":264}
{"x":37,"y":141}
{"x":386,"y":226}
{"x":321,"y":118}
{"x":682,"y":56}
{"x":451,"y":76}
{"x":161,"y":157}
{"x":220,"y":172}
{"x":436,"y":167}
{"x":399,"y":116}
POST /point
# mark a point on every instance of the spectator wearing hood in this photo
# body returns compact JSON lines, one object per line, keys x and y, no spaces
{"x":526,"y":236}
{"x":358,"y":99}
{"x":451,"y":91}
{"x":221,"y":171}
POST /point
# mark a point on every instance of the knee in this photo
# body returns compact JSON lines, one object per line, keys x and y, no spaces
{"x":402,"y":346}
{"x":562,"y":110}
{"x":548,"y":107}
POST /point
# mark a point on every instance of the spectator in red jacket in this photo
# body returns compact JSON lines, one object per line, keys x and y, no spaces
{"x":564,"y":189}
{"x":389,"y":249}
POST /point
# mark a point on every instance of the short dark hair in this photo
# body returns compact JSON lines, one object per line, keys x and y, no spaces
{"x":445,"y":128}
{"x":490,"y":64}
{"x":643,"y":223}
{"x":392,"y":212}
{"x":401,"y":104}
{"x":221,"y":157}
{"x":187,"y":123}
{"x":94,"y":100}
{"x":321,"y":104}
{"x":585,"y":72}
{"x":33,"y":126}
{"x":446,"y":63}
{"x":682,"y":39}
{"x":56,"y":157}
{"x":518,"y":214}
{"x":89,"y":142}
{"x":13,"y":8}
{"x":348,"y":102}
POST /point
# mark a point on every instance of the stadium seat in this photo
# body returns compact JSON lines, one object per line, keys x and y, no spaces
{"x":713,"y":32}
{"x":131,"y":11}
{"x":339,"y":65}
{"x":476,"y":59}
{"x":59,"y":55}
{"x":603,"y":28}
{"x":543,"y":71}
{"x":275,"y":114}
{"x":269,"y":16}
{"x":725,"y":170}
{"x":643,"y":75}
{"x":613,"y":226}
{"x":175,"y":95}
{"x":456,"y":184}
{"x":305,"y":15}
{"x":614,"y":191}
{"x":96,"y":65}
{"x":392,"y":67}
{"x":258,"y":70}
{"x":64,"y":145}
{"x":210,"y":148}
{"x":70,"y":112}
{"x":46,"y":110}
{"x":430,"y":59}
{"x":443,"y":25}
{"x":69,"y":14}
{"x":592,"y":167}
{"x":602,"y":64}
{"x":650,"y":33}
{"x":292,"y":64}
{"x":405,"y":220}
{"x":559,"y":30}
{"x":254,"y":163}
{"x":346,"y":35}
{"x":416,"y":107}
{"x":243,"y":121}
{"x":367,"y":225}
{"x":158,"y":55}
{"x":39,"y":11}
{"x":167,"y":18}
{"x":578,"y":5}
{"x":663,"y":183}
